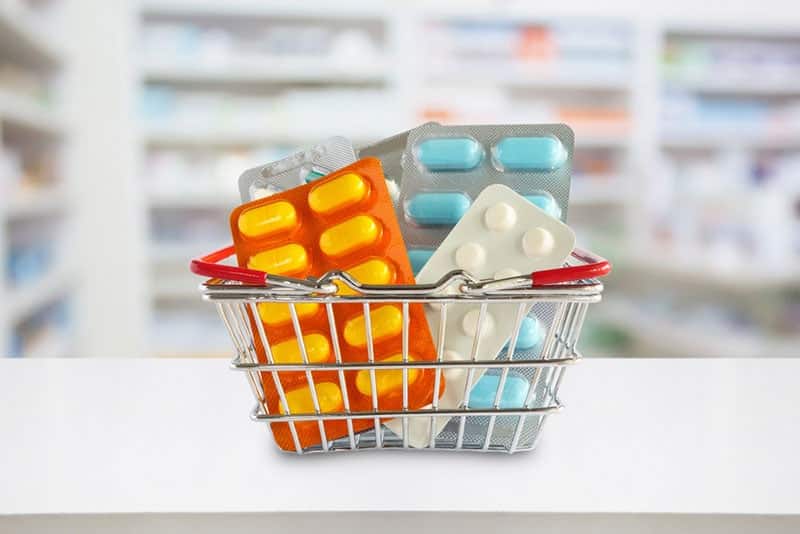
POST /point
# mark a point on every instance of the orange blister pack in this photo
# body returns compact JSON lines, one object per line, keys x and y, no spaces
{"x":346,"y":222}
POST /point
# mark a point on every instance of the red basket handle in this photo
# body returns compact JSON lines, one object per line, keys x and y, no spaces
{"x":209,"y":267}
{"x":593,"y":266}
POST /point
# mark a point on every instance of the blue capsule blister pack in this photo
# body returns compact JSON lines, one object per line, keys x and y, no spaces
{"x":445,"y":167}
{"x":296,"y":170}
{"x":390,"y":152}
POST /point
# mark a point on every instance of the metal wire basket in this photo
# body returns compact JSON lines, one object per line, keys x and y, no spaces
{"x":559,"y":299}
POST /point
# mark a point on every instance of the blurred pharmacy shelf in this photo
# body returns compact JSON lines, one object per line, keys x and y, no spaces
{"x":267,"y":71}
{"x":35,"y":214}
{"x":25,"y":113}
{"x":227,"y":86}
{"x":663,"y":336}
{"x":41,"y":203}
{"x":177,"y":136}
{"x":22,"y":40}
{"x":24,"y":301}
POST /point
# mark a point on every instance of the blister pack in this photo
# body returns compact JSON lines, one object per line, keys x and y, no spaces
{"x":445,"y":168}
{"x":500,"y":236}
{"x":295,"y":170}
{"x":342,"y":222}
{"x":390,"y":152}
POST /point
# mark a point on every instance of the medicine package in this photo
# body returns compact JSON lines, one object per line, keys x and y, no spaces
{"x":344,"y":221}
{"x":444,"y":168}
{"x":297,"y":169}
{"x":501,"y":235}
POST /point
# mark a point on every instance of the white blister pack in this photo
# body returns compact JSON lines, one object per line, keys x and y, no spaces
{"x":296,"y":170}
{"x":502,"y":235}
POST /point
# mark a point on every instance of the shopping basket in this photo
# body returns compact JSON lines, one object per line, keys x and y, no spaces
{"x":558,"y":297}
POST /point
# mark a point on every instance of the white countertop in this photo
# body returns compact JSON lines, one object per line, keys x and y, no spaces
{"x":637,"y":436}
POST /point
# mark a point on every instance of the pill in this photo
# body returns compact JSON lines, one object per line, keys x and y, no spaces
{"x":470,"y":256}
{"x":317,"y":349}
{"x":515,"y":391}
{"x":499,"y":217}
{"x":348,"y":236}
{"x":275,"y":313}
{"x":452,"y":289}
{"x":267,"y":220}
{"x":386,"y":380}
{"x":531,"y":333}
{"x":469,"y":323}
{"x":530,"y":153}
{"x":437,"y":209}
{"x":418,"y":258}
{"x":387,"y":321}
{"x":373,"y":271}
{"x":537,"y":242}
{"x":450,"y":154}
{"x":547,"y":203}
{"x":339,"y":193}
{"x":286,"y":259}
{"x":300,"y":401}
{"x":454,"y":374}
{"x":264,"y":192}
{"x":507,"y":272}
{"x":313,"y":175}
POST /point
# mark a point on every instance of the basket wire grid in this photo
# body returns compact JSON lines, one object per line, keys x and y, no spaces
{"x":561,"y":308}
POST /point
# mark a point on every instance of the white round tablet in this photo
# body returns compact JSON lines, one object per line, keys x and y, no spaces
{"x":470,"y":256}
{"x":452,"y":289}
{"x":469,"y":323}
{"x":537,"y":242}
{"x":499,"y":217}
{"x":508,"y":272}
{"x":453,"y":374}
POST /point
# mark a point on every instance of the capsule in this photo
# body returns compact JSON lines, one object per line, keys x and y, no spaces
{"x":275,"y":313}
{"x":388,"y":380}
{"x":373,"y":271}
{"x":349,"y":236}
{"x":531,"y":334}
{"x":545,"y":202}
{"x":283,"y":260}
{"x":387,"y":321}
{"x":450,"y":154}
{"x":530,"y":153}
{"x":418,"y":258}
{"x":317,"y":349}
{"x":300,"y":401}
{"x":339,"y":193}
{"x":434,"y":209}
{"x":268,"y":220}
{"x":515,"y":391}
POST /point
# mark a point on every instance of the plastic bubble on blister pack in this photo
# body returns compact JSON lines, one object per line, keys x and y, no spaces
{"x":297,"y":169}
{"x":444,"y":168}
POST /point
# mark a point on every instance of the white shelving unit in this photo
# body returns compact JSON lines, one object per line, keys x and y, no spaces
{"x":34,"y":214}
{"x":406,"y":70}
{"x":268,"y":78}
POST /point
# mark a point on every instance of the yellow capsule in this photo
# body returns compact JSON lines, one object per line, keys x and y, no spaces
{"x":339,"y":193}
{"x":267,"y":220}
{"x":287,"y":259}
{"x":317,"y":349}
{"x":274,"y":313}
{"x":387,"y":321}
{"x":328,"y":394}
{"x":350,"y":235}
{"x":374,"y":271}
{"x":387,"y":380}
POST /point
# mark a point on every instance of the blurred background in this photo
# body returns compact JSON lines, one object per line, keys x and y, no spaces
{"x":125,"y":125}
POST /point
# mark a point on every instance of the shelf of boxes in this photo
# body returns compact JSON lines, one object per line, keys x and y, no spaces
{"x":726,"y":129}
{"x":233,"y":102}
{"x":34,"y":276}
{"x":21,"y":39}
